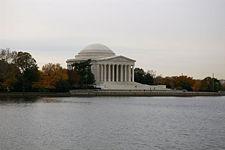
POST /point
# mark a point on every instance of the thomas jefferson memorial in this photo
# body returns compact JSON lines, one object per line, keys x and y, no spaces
{"x":111,"y":71}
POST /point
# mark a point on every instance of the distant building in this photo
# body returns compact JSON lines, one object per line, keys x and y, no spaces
{"x":111,"y":71}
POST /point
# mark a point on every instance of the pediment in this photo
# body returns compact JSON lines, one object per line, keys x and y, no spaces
{"x":118,"y":59}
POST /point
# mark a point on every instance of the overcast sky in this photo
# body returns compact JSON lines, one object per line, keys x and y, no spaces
{"x":169,"y":36}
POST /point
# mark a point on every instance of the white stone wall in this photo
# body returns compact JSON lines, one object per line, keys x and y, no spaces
{"x":131,"y":86}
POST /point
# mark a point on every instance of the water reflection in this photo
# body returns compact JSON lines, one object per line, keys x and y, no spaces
{"x":6,"y":100}
{"x":113,"y":123}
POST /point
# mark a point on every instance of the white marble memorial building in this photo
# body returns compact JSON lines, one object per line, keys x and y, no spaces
{"x":110,"y":71}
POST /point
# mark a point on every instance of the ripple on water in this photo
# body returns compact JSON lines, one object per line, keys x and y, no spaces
{"x":113,"y":123}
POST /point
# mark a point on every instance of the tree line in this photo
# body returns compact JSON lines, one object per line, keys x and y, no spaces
{"x":182,"y":82}
{"x":19,"y":73}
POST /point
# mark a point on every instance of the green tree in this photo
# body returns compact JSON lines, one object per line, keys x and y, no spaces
{"x":8,"y":71}
{"x":7,"y":55}
{"x":62,"y":86}
{"x":141,"y":76}
{"x":148,"y":79}
{"x":84,"y":71}
{"x":25,"y":61}
{"x":29,"y":73}
{"x":74,"y":78}
{"x":210,"y":85}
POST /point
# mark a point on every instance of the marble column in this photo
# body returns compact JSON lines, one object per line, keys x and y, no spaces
{"x":109,"y":73}
{"x":113,"y":73}
{"x":97,"y":72}
{"x":117,"y":72}
{"x":121,"y":73}
{"x":129,"y":73}
{"x":104,"y":72}
{"x":125,"y":73}
{"x":101,"y":73}
{"x":133,"y":73}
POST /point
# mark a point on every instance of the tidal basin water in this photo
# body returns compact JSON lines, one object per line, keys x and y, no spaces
{"x":113,"y":123}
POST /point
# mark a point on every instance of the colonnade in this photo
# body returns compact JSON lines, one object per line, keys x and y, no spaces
{"x":115,"y":72}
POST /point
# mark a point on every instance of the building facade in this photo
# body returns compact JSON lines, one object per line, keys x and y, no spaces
{"x":110,"y":71}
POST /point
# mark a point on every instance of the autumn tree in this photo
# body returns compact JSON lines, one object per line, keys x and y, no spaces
{"x":197,"y":85}
{"x":168,"y":81}
{"x":158,"y":80}
{"x":53,"y":78}
{"x":184,"y":82}
{"x":18,"y":71}
{"x":176,"y":82}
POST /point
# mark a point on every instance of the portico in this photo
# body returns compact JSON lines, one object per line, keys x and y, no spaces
{"x":114,"y":72}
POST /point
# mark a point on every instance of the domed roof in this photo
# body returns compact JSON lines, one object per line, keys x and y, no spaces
{"x":94,"y":51}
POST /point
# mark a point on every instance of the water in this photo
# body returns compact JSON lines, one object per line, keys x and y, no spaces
{"x":113,"y":123}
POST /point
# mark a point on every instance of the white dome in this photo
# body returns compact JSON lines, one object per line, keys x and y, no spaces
{"x":94,"y":51}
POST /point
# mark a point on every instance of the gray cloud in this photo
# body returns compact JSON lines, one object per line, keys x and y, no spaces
{"x":169,"y":36}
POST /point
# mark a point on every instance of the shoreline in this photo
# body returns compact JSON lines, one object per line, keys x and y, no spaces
{"x":145,"y":93}
{"x":32,"y":94}
{"x":99,"y":93}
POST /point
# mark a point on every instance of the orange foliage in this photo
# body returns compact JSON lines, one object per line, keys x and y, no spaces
{"x":50,"y":75}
